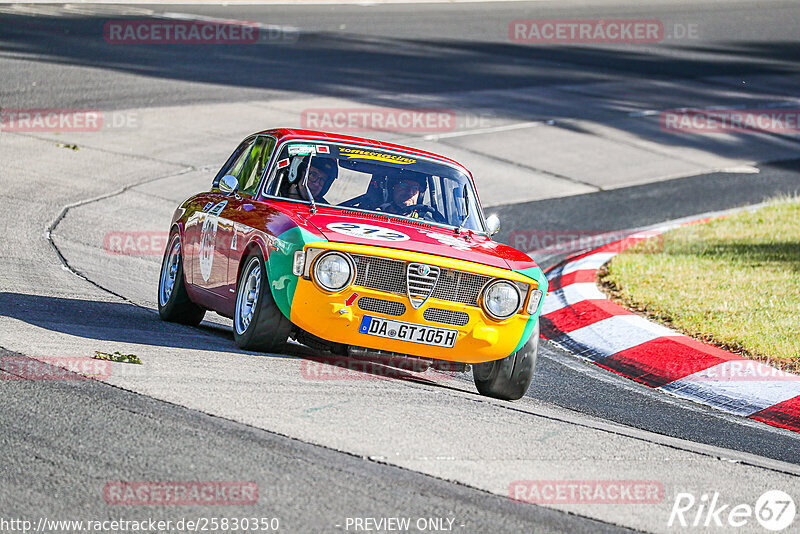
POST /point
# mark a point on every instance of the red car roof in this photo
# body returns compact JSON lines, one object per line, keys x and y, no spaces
{"x":292,"y":133}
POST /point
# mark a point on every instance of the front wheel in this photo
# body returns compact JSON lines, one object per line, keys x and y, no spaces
{"x":258,"y":324}
{"x":174,"y":304}
{"x":509,"y":378}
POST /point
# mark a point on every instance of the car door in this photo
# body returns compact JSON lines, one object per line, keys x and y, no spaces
{"x":214,"y":234}
{"x":233,"y":230}
{"x":205,"y":229}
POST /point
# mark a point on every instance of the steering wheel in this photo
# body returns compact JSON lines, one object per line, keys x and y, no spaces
{"x":424,"y":208}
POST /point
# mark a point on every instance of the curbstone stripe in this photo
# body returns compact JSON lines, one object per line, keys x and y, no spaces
{"x":577,"y":315}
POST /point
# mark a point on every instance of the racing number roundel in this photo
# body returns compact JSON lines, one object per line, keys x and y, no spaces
{"x":367,"y":231}
{"x":208,"y":236}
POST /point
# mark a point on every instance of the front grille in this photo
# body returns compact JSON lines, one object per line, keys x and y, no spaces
{"x":455,"y":318}
{"x":381,"y":274}
{"x":387,"y":275}
{"x":386,"y":307}
{"x":421,"y":280}
{"x":458,"y":286}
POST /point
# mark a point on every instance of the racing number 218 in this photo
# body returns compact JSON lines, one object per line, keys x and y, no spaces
{"x":364,"y":230}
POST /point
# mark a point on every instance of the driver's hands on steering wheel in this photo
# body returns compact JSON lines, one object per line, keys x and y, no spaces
{"x":426,"y":211}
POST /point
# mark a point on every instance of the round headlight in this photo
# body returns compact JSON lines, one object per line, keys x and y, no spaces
{"x":501,"y":299}
{"x":333,"y":271}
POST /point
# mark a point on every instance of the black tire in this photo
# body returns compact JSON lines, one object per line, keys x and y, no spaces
{"x":509,"y":378}
{"x":267,"y":329}
{"x":174,"y":305}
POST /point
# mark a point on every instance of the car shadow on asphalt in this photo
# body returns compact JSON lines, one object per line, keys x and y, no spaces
{"x":125,"y":323}
{"x":106,"y":321}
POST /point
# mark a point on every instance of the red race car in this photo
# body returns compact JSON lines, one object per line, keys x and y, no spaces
{"x":353,"y":244}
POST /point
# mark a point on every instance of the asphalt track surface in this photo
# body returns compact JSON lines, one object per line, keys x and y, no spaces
{"x":369,"y":51}
{"x":65,"y":439}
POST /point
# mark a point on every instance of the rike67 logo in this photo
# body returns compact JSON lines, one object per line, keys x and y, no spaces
{"x":774,"y":510}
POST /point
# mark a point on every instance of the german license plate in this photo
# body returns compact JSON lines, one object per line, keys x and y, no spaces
{"x":415,"y":333}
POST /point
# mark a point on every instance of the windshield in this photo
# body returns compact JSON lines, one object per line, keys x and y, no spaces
{"x":375,"y":180}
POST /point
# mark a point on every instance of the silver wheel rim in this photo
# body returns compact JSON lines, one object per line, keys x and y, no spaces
{"x":169,"y":273}
{"x":247,"y":296}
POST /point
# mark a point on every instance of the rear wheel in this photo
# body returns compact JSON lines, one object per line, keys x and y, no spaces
{"x":509,"y":378}
{"x":174,"y":304}
{"x":258,"y":324}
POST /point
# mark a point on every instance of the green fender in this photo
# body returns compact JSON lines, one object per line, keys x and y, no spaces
{"x":537,"y":274}
{"x":279,"y":266}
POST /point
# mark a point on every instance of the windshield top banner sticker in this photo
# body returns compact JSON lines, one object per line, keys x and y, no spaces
{"x":302,"y":150}
{"x":368,"y":231}
{"x":355,"y":153}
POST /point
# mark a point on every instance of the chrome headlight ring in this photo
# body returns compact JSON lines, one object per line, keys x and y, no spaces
{"x":493,"y":295}
{"x":332,"y":280}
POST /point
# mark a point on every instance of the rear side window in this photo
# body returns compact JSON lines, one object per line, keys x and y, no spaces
{"x":242,"y":148}
{"x":248,"y":163}
{"x":256,"y":163}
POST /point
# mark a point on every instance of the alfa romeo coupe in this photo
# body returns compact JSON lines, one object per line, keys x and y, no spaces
{"x":345,"y":244}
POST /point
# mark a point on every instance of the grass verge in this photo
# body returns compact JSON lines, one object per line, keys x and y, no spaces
{"x":733,"y":282}
{"x":117,"y":357}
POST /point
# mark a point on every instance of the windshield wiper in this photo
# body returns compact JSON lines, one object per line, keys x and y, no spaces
{"x":304,"y":186}
{"x":460,"y":228}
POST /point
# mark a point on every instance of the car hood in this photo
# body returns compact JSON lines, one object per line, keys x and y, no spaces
{"x":344,"y":226}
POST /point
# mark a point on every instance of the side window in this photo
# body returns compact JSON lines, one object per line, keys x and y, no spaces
{"x":241,"y":162}
{"x":233,"y":161}
{"x":248,"y":163}
{"x":255,"y":165}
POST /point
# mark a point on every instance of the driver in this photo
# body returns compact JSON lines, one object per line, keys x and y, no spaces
{"x":405,"y":195}
{"x":320,"y":178}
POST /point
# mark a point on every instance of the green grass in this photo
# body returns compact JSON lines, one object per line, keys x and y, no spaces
{"x":733,"y":282}
{"x":117,"y":357}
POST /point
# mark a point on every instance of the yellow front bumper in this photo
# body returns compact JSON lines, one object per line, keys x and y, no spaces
{"x":328,"y":316}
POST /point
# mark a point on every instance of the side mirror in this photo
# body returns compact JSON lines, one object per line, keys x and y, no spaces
{"x":493,"y":224}
{"x":228,"y":184}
